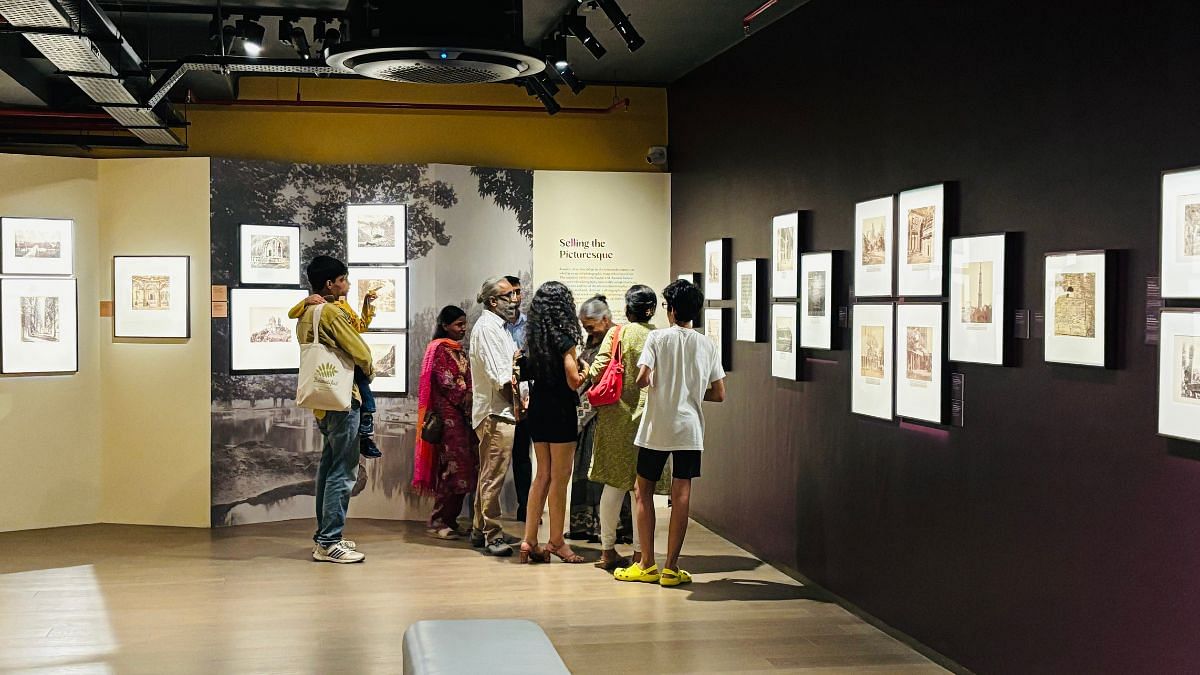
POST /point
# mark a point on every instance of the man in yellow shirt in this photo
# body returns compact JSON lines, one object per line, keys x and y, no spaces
{"x":339,"y":454}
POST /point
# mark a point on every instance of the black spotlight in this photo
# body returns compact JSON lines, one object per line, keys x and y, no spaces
{"x":536,"y":87}
{"x":621,"y":22}
{"x":576,"y":27}
{"x":286,"y":25}
{"x":300,"y":42}
{"x":252,"y":34}
{"x":569,"y":78}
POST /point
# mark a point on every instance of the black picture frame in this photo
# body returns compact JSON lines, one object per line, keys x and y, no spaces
{"x":798,"y":243}
{"x":726,"y":276}
{"x":726,"y":345}
{"x":1006,"y":320}
{"x":243,"y":283}
{"x":1108,"y":295}
{"x":891,"y":345}
{"x":943,"y":359}
{"x":40,"y":373}
{"x":187,"y":334}
{"x":867,"y":299}
{"x":230,"y":340}
{"x":1193,"y":311}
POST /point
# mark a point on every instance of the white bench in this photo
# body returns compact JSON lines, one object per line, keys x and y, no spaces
{"x":493,"y":646}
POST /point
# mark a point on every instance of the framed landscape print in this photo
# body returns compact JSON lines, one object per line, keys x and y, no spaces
{"x":1180,"y":234}
{"x":716,"y":264}
{"x":377,"y":234}
{"x":1078,"y":294}
{"x":785,"y":255}
{"x":920,"y":360}
{"x":750,"y":296}
{"x":269,"y":255}
{"x":872,"y":362}
{"x":873,"y":247}
{"x":716,"y":328}
{"x":390,"y":354}
{"x":37,"y":246}
{"x":977,"y":298}
{"x":39,"y":326}
{"x":151,"y":297}
{"x":921,"y":247}
{"x":1179,"y":374}
{"x":391,"y":294}
{"x":816,"y":301}
{"x":263,"y":337}
{"x":785,"y":343}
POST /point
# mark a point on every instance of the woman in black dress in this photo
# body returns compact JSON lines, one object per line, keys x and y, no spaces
{"x":552,"y":340}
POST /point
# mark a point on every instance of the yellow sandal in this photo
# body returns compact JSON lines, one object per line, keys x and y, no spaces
{"x":636,"y":573}
{"x":671,"y":577}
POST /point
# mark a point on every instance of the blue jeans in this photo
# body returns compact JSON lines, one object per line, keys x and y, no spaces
{"x":366,"y":425}
{"x":336,"y":473}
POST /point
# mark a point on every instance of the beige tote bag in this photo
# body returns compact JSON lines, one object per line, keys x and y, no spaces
{"x":326,"y":379}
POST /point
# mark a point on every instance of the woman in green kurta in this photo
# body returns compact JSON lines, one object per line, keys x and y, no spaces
{"x":614,"y":456}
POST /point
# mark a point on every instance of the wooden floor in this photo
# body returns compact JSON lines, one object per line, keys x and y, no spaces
{"x":126,"y":599}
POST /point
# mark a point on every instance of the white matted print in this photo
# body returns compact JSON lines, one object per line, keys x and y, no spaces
{"x":391,"y":294}
{"x":389,"y":351}
{"x":37,"y":246}
{"x":919,"y":362}
{"x":263,"y":337}
{"x":871,"y":363}
{"x":377,"y":233}
{"x":151,"y":297}
{"x":38,"y":326}
{"x":785,"y":343}
{"x":716,"y":324}
{"x":694,"y":278}
{"x":269,"y":254}
{"x":920,"y":249}
{"x":873,"y":247}
{"x":747,"y":300}
{"x":716,"y":252}
{"x":785,"y":255}
{"x":977,"y":299}
{"x":1180,"y":223}
{"x":1179,"y":374}
{"x":1076,"y":315}
{"x":816,"y":305}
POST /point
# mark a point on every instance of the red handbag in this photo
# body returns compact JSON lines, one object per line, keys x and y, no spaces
{"x":608,"y":390}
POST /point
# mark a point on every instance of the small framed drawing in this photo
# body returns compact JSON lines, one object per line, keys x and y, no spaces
{"x":694,"y":278}
{"x":391,"y":294}
{"x":816,"y":301}
{"x":1079,"y":287}
{"x":390,"y":354}
{"x":784,"y":341}
{"x":785,"y":255}
{"x":269,"y":255}
{"x":37,"y":246}
{"x":874,"y":247}
{"x":716,"y":328}
{"x":750,"y":296}
{"x":39,"y":326}
{"x":977,"y":298}
{"x":377,"y":234}
{"x":872,"y":361}
{"x":1180,"y":233}
{"x":920,"y":361}
{"x":151,"y":297}
{"x":921,"y":245}
{"x":716,"y":265}
{"x":1179,"y":374}
{"x":262,"y":337}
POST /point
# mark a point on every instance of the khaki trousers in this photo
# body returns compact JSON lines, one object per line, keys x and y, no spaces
{"x":495,"y":453}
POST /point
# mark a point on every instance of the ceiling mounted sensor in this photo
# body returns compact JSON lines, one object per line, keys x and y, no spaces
{"x":448,"y":42}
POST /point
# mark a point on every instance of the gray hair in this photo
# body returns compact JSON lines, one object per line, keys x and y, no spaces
{"x":490,"y":289}
{"x":595,"y":309}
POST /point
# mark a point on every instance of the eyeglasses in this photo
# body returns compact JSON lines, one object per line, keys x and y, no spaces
{"x":511,"y":295}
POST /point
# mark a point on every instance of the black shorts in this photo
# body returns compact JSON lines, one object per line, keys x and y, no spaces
{"x":685,"y":464}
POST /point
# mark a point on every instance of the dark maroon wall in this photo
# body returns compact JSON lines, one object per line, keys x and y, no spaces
{"x":1055,"y":532}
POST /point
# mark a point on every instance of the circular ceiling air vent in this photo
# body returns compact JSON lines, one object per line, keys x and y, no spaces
{"x":432,"y":65}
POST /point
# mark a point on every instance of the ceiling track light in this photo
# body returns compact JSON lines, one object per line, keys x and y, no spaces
{"x":537,"y":88}
{"x":252,"y":34}
{"x":621,"y":22}
{"x":576,"y":27}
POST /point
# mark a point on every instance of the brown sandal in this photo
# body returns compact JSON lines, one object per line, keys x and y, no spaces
{"x":530,"y":553}
{"x":614,"y":564}
{"x":573,"y":558}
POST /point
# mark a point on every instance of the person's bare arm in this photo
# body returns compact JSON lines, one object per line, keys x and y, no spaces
{"x":715,"y":392}
{"x":571,"y":366}
{"x":643,"y":379}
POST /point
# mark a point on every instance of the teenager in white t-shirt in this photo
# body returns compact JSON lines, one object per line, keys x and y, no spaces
{"x":679,"y":368}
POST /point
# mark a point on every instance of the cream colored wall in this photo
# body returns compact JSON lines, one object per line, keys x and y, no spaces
{"x":156,"y":392}
{"x":50,"y":427}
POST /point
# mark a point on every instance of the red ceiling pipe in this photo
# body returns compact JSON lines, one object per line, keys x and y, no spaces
{"x":749,"y":18}
{"x":621,"y":104}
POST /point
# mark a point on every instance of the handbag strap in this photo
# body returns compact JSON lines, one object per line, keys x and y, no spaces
{"x":316,"y":324}
{"x":616,"y":343}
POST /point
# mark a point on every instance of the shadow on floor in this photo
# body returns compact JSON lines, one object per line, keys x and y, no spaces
{"x":711,"y":564}
{"x":752,"y":590}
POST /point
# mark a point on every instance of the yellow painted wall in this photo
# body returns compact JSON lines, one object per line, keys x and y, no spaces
{"x":50,"y":427}
{"x":156,"y":393}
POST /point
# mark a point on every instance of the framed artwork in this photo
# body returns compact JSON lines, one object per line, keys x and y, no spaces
{"x":750,"y":296}
{"x":716,"y":328}
{"x":1079,"y":289}
{"x":269,"y":255}
{"x":391,"y":294}
{"x":390,"y":354}
{"x":151,"y":297}
{"x":785,"y":341}
{"x":1179,"y":374}
{"x":37,"y":246}
{"x":377,"y":234}
{"x":263,"y":338}
{"x":1180,"y":234}
{"x":872,"y":362}
{"x":816,"y":301}
{"x":921,"y":244}
{"x":920,"y":362}
{"x":695,"y":278}
{"x":785,"y":255}
{"x":977,"y":298}
{"x":716,"y":262}
{"x":39,"y":326}
{"x":874,"y":247}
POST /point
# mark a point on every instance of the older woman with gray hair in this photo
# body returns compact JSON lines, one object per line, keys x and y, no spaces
{"x":596,"y":318}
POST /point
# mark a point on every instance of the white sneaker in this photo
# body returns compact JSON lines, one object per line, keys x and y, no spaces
{"x":349,"y":544}
{"x":337,"y":553}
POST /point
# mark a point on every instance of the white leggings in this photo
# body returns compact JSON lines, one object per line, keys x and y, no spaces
{"x":610,"y":516}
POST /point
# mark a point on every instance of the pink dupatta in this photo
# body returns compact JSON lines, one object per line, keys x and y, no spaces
{"x":425,"y":460}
